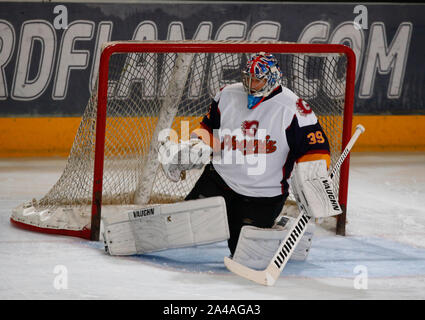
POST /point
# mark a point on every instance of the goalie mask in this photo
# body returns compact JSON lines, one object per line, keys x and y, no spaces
{"x":260,"y":77}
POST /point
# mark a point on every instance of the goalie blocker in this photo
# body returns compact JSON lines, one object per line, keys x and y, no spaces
{"x":314,"y":190}
{"x":163,"y":226}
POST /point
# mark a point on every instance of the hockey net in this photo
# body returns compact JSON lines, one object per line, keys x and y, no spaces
{"x":145,"y":87}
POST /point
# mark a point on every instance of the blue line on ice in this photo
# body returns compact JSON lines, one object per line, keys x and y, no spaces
{"x":330,"y":256}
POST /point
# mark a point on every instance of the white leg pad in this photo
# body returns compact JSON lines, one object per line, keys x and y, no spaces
{"x":163,"y":226}
{"x":256,"y":246}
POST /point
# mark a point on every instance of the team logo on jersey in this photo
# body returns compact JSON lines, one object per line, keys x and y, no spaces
{"x":249,"y":146}
{"x":249,"y":128}
{"x":303,"y":107}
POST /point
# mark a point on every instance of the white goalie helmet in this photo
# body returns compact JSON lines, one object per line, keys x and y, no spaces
{"x":261,"y":66}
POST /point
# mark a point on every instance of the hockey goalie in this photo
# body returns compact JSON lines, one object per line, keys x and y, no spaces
{"x":258,"y":139}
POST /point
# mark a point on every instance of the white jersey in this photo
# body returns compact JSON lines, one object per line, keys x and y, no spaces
{"x":256,"y":153}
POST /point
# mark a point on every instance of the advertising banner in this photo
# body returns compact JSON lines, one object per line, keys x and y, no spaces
{"x":49,"y":52}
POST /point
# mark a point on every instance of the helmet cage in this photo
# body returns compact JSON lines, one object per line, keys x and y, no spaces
{"x":247,"y":83}
{"x":261,"y":66}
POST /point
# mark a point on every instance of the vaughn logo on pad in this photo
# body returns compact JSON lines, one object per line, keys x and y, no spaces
{"x":145,"y":212}
{"x":330,"y":193}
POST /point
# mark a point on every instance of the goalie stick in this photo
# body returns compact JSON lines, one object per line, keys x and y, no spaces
{"x":269,"y":275}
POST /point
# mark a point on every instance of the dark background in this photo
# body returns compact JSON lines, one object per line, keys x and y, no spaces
{"x":293,"y":18}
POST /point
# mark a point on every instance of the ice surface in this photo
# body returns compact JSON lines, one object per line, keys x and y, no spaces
{"x":382,"y":256}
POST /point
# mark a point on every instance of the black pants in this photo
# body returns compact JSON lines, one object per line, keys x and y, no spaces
{"x":241,"y":210}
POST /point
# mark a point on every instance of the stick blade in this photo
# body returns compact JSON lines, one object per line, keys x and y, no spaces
{"x":259,"y":276}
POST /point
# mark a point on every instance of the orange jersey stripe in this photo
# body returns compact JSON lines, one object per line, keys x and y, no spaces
{"x":316,"y":156}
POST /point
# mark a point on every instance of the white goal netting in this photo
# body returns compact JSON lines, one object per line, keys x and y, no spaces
{"x":149,"y":91}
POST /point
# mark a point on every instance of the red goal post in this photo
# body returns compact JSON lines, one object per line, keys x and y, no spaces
{"x":101,"y":99}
